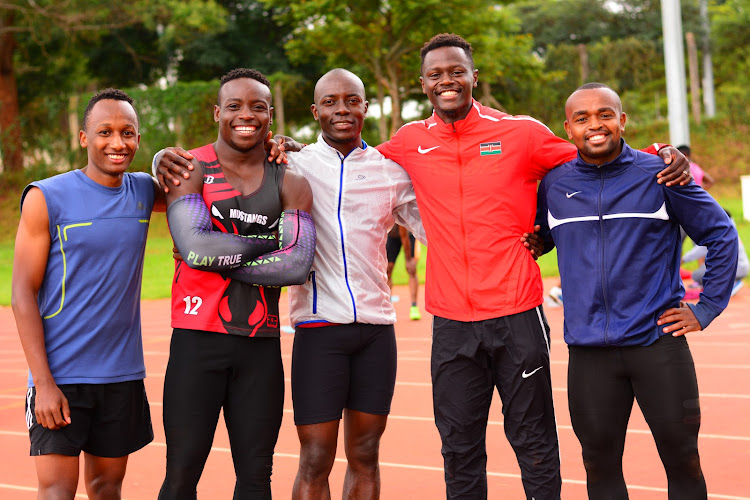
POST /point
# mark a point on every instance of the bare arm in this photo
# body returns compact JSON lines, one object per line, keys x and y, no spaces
{"x":29,"y":264}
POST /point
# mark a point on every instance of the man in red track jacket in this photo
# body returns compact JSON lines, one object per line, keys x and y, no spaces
{"x":475,"y":173}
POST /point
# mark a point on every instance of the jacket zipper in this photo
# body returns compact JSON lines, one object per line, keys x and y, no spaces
{"x":341,"y":232}
{"x":315,"y":293}
{"x":461,"y":218}
{"x":603,"y":263}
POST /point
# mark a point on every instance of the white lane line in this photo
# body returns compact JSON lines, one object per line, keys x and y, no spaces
{"x":416,"y":467}
{"x":432,"y":468}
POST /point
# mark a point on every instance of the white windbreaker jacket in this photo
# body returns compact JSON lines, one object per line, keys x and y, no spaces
{"x":356,"y":201}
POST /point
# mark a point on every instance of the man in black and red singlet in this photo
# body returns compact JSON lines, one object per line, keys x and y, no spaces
{"x":225,"y":350}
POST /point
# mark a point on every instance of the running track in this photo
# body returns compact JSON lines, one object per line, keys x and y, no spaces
{"x":411,"y":465}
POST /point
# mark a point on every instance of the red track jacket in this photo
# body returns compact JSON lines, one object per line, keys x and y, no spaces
{"x":476,"y":182}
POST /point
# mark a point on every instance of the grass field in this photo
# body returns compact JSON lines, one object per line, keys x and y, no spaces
{"x":159,"y":265}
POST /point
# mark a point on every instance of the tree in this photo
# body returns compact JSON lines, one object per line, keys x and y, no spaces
{"x":380,"y":40}
{"x":53,"y":31}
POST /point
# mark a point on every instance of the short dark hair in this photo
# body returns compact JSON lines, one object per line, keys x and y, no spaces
{"x":108,"y":93}
{"x":594,"y":85}
{"x":684,"y":149}
{"x":447,"y":40}
{"x":242,"y":73}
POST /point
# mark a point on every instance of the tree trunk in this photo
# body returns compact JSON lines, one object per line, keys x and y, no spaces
{"x":10,"y":129}
{"x":583,"y":57}
{"x":278,"y":108}
{"x":487,"y":98}
{"x":695,"y":84}
{"x":395,"y":93}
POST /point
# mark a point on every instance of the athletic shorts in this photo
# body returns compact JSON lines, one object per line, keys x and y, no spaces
{"x":107,"y":420}
{"x":393,"y":246}
{"x":342,"y":366}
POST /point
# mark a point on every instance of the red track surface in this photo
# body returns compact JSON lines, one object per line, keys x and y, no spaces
{"x":411,"y":464}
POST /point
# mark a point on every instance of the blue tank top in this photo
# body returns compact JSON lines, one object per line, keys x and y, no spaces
{"x":90,"y":297}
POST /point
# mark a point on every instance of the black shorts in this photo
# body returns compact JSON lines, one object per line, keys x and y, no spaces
{"x":342,"y":366}
{"x":107,"y":420}
{"x":393,"y":246}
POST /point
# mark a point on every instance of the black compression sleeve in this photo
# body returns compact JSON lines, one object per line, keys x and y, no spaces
{"x":207,"y":250}
{"x":291,"y":263}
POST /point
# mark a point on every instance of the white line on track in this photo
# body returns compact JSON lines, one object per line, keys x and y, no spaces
{"x":295,"y":456}
{"x":406,"y":466}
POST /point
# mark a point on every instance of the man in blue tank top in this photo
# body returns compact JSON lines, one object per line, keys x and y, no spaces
{"x":77,"y":271}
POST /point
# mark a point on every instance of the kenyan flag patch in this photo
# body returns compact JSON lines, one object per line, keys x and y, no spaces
{"x":490,"y":148}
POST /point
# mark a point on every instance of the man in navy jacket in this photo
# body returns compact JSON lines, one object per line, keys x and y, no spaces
{"x":617,"y":234}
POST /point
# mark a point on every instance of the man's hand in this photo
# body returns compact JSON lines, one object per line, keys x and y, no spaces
{"x":275,"y":147}
{"x":51,"y":407}
{"x":411,"y":265}
{"x":678,"y":169}
{"x":533,"y":242}
{"x":173,"y":163}
{"x":682,"y":318}
{"x":176,"y":253}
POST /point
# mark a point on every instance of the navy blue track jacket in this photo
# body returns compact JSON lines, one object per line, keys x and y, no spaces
{"x":617,"y":234}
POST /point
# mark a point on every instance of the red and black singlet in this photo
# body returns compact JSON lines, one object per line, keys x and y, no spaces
{"x":207,"y":301}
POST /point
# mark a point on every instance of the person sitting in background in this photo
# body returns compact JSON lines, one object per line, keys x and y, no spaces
{"x":699,"y":252}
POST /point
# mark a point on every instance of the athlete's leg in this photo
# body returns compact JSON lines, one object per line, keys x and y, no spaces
{"x":316,"y":457}
{"x":320,"y":385}
{"x":253,"y":410}
{"x":194,"y":389}
{"x":104,"y":476}
{"x":373,"y":378}
{"x":461,"y":397}
{"x":519,"y":347}
{"x":666,"y":389}
{"x":57,"y":476}
{"x":362,"y":432}
{"x":600,"y":398}
{"x":411,"y":262}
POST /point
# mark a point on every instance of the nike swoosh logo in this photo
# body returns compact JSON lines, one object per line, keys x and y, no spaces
{"x":570,"y":195}
{"x":274,"y":224}
{"x":425,"y":151}
{"x":527,"y":375}
{"x":215,"y":212}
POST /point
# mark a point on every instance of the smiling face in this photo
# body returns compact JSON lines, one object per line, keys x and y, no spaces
{"x":595,"y":122}
{"x":448,"y":77}
{"x":244,"y":113}
{"x":111,"y":138}
{"x":340,"y":108}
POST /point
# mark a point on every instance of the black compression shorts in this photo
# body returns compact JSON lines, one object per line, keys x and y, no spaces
{"x":342,"y":366}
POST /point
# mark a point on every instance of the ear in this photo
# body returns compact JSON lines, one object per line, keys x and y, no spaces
{"x":367,"y":105}
{"x":270,"y":116}
{"x":476,"y":77}
{"x":567,"y":130}
{"x":314,"y":110}
{"x":82,"y":139}
{"x":137,"y":142}
{"x":216,"y":113}
{"x":623,"y":119}
{"x":421,"y":82}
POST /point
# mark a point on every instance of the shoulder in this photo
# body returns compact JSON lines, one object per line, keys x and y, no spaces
{"x":647,"y":163}
{"x":527,"y":122}
{"x":556,"y":174}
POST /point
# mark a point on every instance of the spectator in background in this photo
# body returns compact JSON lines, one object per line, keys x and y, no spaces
{"x":701,"y":177}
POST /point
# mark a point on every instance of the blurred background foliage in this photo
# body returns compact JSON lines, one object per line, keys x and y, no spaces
{"x":169,"y":54}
